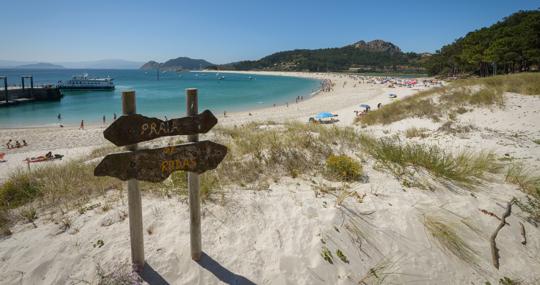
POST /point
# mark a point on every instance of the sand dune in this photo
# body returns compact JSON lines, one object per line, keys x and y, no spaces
{"x":283,"y":234}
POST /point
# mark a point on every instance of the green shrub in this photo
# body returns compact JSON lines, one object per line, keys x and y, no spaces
{"x":343,"y":167}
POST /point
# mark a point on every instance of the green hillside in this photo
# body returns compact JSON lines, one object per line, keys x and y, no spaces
{"x":372,"y":56}
{"x":511,"y":45}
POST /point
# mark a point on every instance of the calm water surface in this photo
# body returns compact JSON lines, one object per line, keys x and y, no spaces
{"x":165,"y":97}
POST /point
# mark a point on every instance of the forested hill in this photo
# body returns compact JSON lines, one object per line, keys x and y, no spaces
{"x":376,"y":55}
{"x":511,"y":45}
{"x":180,"y":63}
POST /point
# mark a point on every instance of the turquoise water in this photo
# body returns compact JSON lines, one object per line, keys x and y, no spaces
{"x":165,"y":97}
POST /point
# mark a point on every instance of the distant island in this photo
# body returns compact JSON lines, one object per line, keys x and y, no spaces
{"x":362,"y":56}
{"x":40,"y":65}
{"x":90,"y":64}
{"x":180,"y":63}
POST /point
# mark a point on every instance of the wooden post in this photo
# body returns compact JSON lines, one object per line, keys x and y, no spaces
{"x":134,"y":196}
{"x":6,"y":89}
{"x":31,"y":86}
{"x":193,"y":184}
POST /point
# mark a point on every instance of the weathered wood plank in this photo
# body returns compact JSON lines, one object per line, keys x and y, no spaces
{"x":155,"y":165}
{"x":137,"y":128}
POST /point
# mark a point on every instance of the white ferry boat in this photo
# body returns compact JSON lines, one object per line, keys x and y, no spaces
{"x":83,"y":82}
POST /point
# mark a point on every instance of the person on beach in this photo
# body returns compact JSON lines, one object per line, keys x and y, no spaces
{"x":104,"y":119}
{"x":17,"y":144}
{"x":114,"y":117}
{"x":82,"y":125}
{"x":8,"y":144}
{"x":224,"y":113}
{"x":24,"y":143}
{"x":59,"y":117}
{"x":379,"y":105}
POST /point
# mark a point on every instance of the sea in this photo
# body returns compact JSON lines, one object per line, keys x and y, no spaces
{"x":154,"y":97}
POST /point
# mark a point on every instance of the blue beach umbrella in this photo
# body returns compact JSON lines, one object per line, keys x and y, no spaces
{"x":324,"y":115}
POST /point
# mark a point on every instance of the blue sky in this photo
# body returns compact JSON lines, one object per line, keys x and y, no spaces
{"x":228,"y":30}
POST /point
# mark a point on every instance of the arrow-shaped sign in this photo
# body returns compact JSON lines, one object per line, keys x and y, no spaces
{"x":131,"y":129}
{"x":156,"y":165}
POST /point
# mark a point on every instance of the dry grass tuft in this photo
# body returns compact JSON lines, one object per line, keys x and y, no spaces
{"x":54,"y":184}
{"x":415,"y":132}
{"x":449,"y":240}
{"x":526,"y":179}
{"x":464,"y":167}
{"x":528,"y":182}
{"x":260,"y":152}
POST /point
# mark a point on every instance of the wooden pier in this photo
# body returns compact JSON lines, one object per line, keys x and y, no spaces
{"x":23,"y":94}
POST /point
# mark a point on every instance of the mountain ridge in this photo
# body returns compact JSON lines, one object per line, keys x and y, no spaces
{"x":39,"y":65}
{"x":179,"y":63}
{"x":90,"y":64}
{"x":373,"y":56}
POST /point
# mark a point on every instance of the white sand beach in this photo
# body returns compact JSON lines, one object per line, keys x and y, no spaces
{"x":343,"y":100}
{"x":280,"y":235}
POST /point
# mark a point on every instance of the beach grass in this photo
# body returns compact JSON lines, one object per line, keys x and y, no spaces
{"x":464,"y":167}
{"x":259,"y":154}
{"x":53,"y":184}
{"x":528,"y":181}
{"x":454,"y":98}
{"x":261,"y":151}
{"x":415,"y":132}
{"x":445,"y":234}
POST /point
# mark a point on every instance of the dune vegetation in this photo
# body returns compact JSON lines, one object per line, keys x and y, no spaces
{"x":457,"y":97}
{"x":259,"y":154}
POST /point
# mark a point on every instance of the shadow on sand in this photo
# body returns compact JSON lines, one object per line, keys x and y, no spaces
{"x":222,"y":273}
{"x":150,"y":276}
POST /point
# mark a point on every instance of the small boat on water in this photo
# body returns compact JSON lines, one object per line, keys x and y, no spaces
{"x":84,"y":82}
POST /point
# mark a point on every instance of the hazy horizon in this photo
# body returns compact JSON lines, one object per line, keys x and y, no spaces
{"x":228,"y":32}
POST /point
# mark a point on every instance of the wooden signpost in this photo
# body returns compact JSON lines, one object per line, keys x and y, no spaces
{"x":137,"y":128}
{"x":156,"y":165}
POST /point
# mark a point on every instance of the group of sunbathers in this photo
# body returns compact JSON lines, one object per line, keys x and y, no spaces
{"x":17,"y":144}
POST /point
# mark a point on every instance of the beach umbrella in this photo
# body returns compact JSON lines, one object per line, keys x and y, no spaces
{"x":324,"y":115}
